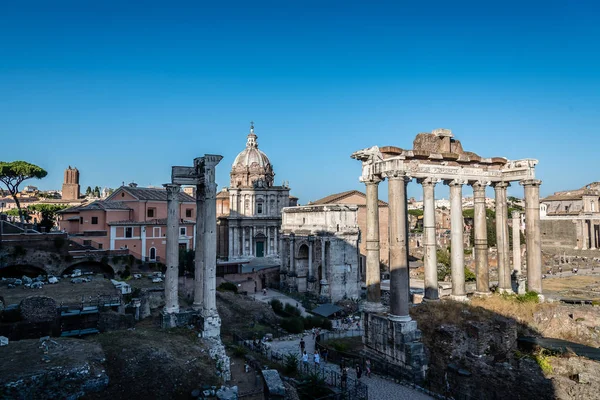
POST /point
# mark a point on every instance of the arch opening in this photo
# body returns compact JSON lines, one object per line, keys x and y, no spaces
{"x":17,"y":271}
{"x":91,"y":267}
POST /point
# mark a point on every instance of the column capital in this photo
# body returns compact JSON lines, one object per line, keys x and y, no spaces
{"x":371,"y":180}
{"x":516,"y":214}
{"x":428,"y":181}
{"x":479,"y":185}
{"x":455,"y":182}
{"x":172,"y":188}
{"x":500,"y":185}
{"x":530,"y":182}
{"x":397,"y":174}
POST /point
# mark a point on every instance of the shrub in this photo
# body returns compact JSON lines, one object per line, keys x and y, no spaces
{"x":317,"y":322}
{"x":277,"y":306}
{"x":469,"y":276}
{"x":529,"y":297}
{"x":291,"y":310}
{"x":293,"y":324}
{"x":290,"y":363}
{"x":240,"y":351}
{"x":227,"y":287}
{"x":126,"y":273}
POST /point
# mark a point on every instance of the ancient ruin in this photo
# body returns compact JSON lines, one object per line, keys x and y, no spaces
{"x":436,"y":157}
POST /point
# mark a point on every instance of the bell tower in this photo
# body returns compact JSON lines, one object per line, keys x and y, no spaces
{"x":70,"y":187}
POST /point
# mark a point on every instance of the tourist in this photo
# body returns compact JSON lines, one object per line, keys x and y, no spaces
{"x":344,"y":377}
{"x":358,"y":371}
{"x":264,"y":291}
{"x":317,"y":358}
{"x":325,"y":354}
{"x":313,"y":332}
{"x":305,"y":360}
{"x":302,"y":345}
{"x":368,"y":368}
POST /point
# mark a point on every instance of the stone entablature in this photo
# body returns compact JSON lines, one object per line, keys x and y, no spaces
{"x":313,"y":220}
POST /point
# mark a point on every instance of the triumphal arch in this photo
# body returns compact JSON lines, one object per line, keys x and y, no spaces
{"x":438,"y":157}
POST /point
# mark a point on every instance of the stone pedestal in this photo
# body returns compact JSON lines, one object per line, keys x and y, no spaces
{"x":324,"y":288}
{"x":211,"y":325}
{"x":397,"y":343}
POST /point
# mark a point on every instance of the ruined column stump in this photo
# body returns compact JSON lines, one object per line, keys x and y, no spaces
{"x":397,"y":343}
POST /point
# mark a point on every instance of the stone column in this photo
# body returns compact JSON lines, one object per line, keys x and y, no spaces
{"x":373,"y":279}
{"x":504,"y":282}
{"x":243,"y":241}
{"x":457,"y":251}
{"x":292,"y":255}
{"x":230,"y":250}
{"x":172,"y":274}
{"x":592,"y":235}
{"x":481,"y":245}
{"x":268,"y":246}
{"x":275,"y":241}
{"x":584,"y":235}
{"x":311,"y":273}
{"x":429,"y":239}
{"x":251,"y":248}
{"x":398,"y":246}
{"x":199,"y":248}
{"x":516,"y":232}
{"x":323,"y":282}
{"x":210,"y":244}
{"x":533,"y":237}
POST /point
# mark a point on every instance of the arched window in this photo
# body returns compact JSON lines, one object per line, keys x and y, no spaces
{"x":303,"y":251}
{"x":152,"y":253}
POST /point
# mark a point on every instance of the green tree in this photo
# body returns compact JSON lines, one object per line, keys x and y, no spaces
{"x":12,"y":174}
{"x":88,"y":191}
{"x":48,"y":212}
{"x":97,"y":191}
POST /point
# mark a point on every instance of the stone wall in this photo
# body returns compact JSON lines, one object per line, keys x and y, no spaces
{"x":558,"y":235}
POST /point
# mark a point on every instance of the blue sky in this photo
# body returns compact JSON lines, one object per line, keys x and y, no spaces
{"x":124,"y":91}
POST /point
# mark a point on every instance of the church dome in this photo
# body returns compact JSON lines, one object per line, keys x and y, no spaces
{"x":251,"y":167}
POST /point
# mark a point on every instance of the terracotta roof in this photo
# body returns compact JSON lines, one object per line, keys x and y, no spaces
{"x":563,"y":196}
{"x":334,"y":198}
{"x":151,"y":194}
{"x":98,"y":205}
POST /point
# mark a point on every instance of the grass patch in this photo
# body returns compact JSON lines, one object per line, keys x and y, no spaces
{"x":345,"y":345}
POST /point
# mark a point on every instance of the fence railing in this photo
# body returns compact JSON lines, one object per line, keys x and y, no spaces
{"x":351,"y":389}
{"x":334,"y":355}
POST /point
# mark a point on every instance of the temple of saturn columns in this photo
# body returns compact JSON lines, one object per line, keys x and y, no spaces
{"x":204,"y":309}
{"x":438,"y":157}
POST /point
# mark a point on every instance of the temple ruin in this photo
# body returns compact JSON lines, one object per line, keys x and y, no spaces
{"x":437,"y":157}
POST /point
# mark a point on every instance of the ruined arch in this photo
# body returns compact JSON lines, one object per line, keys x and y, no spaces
{"x":18,"y":270}
{"x":95,"y":267}
{"x":302,"y":251}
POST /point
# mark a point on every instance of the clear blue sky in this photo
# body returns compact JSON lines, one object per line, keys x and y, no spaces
{"x":123,"y":90}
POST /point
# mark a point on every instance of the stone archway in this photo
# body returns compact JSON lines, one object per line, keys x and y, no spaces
{"x":17,"y":271}
{"x":94,"y":267}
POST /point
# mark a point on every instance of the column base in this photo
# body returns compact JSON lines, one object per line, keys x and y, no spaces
{"x":211,"y":324}
{"x":482,"y":294}
{"x":171,"y":310}
{"x":399,"y":318}
{"x":505,"y":291}
{"x":178,"y":319}
{"x":372,"y":307}
{"x":459,"y":297}
{"x":427,"y":300}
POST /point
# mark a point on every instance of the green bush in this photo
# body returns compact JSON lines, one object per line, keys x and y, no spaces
{"x":293,"y":324}
{"x":277,"y":306}
{"x":528,"y":297}
{"x":227,"y":287}
{"x":317,"y":322}
{"x":291,"y":310}
{"x":240,"y":351}
{"x":291,"y":363}
{"x":469,"y":276}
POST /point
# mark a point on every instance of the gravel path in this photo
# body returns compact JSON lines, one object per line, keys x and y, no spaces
{"x":379,"y":388}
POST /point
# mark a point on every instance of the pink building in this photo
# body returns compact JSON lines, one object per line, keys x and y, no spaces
{"x":131,"y":218}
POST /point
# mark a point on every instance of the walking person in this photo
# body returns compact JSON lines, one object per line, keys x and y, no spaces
{"x":368,"y":368}
{"x":302,"y":345}
{"x":305,"y":360}
{"x":344,"y":377}
{"x":325,"y":354}
{"x":358,"y":371}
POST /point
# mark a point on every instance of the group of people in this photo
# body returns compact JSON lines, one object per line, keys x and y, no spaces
{"x":359,"y":371}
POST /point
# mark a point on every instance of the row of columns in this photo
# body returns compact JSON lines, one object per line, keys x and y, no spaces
{"x":205,"y":249}
{"x":398,"y":240}
{"x":237,"y":249}
{"x":590,"y":236}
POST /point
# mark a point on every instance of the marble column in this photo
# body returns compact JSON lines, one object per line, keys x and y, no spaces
{"x":199,"y":248}
{"x":268,"y":246}
{"x":210,"y":247}
{"x":230,"y":250}
{"x":310,"y":257}
{"x":457,"y":252}
{"x":373,"y":279}
{"x":504,"y":282}
{"x":243,"y":241}
{"x":592,"y":235}
{"x":292,"y":255}
{"x":251,"y":248}
{"x":516,"y":242}
{"x":481,"y":244}
{"x":533,"y":236}
{"x":275,"y":241}
{"x":324,"y":284}
{"x":398,"y":246}
{"x":429,"y":239}
{"x":172,"y":274}
{"x":584,"y":235}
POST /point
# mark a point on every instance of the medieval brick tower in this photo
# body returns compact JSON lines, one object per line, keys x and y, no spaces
{"x":70,"y":187}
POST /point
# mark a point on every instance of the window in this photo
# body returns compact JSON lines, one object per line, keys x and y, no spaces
{"x":259,"y":208}
{"x":81,"y":220}
{"x":156,"y":231}
{"x":152,"y":253}
{"x":188,"y":213}
{"x":182,"y":231}
{"x":100,"y":246}
{"x":94,"y":220}
{"x":87,"y":242}
{"x":151,"y":213}
{"x":128,"y":232}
